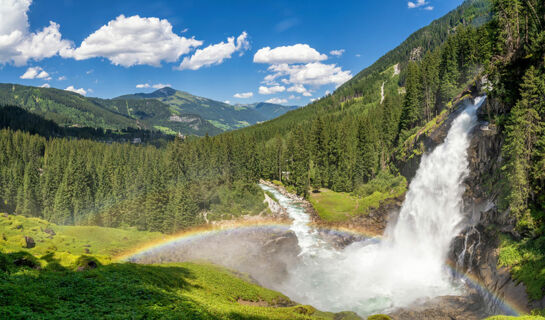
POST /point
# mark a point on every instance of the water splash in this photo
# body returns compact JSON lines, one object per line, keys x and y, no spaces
{"x":409,"y":263}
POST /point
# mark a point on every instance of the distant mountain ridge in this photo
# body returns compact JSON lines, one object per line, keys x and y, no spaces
{"x":222,"y":115}
{"x":269,"y":110}
{"x":167,"y":110}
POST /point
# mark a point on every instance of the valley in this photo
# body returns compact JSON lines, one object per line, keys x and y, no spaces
{"x":414,"y":190}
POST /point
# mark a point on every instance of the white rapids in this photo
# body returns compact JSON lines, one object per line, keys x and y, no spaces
{"x":408,"y":264}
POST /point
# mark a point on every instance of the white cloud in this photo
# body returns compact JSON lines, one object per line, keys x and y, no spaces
{"x":155,"y":86}
{"x":271,"y":90}
{"x":80,"y":90}
{"x":61,"y":78}
{"x":161,"y":85}
{"x":298,"y":53}
{"x":89,"y":71}
{"x":243,"y":95}
{"x":358,"y":55}
{"x":277,"y":100}
{"x":337,"y":53}
{"x":134,"y":40}
{"x":45,"y":85}
{"x":18,"y":44}
{"x":90,"y":90}
{"x":291,"y":97}
{"x":227,"y":101}
{"x":216,"y":53}
{"x":35,"y":73}
{"x":429,"y":8}
{"x":315,"y":74}
{"x":299,"y":88}
{"x":327,"y":92}
{"x":416,"y":4}
{"x":313,"y":99}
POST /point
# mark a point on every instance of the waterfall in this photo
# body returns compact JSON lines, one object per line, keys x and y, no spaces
{"x":408,"y":264}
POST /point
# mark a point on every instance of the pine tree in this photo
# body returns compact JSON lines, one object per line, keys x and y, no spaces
{"x":522,"y":135}
{"x":411,"y":111}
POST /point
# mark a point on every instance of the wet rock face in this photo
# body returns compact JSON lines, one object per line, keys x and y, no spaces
{"x":468,"y":307}
{"x":475,"y":250}
{"x":266,"y":255}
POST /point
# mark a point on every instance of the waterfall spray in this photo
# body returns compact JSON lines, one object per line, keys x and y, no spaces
{"x":409,"y":263}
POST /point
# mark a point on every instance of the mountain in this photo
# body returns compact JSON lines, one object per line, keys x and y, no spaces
{"x":160,"y":116}
{"x":222,"y":115}
{"x":69,"y":109}
{"x":269,"y":110}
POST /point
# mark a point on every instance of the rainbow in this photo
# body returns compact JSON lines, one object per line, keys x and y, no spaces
{"x":507,"y":307}
{"x":201,"y":232}
{"x":204,"y":231}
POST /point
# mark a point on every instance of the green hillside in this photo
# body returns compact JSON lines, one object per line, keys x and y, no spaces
{"x":63,"y":107}
{"x":222,"y":115}
{"x":69,"y":274}
{"x":68,"y":109}
{"x":160,"y":116}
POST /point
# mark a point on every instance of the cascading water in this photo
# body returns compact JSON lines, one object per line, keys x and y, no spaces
{"x":408,"y":264}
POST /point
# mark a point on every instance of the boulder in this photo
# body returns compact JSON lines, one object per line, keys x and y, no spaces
{"x":49,"y":231}
{"x":29,"y":242}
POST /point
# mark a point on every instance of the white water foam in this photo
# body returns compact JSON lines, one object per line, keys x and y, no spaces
{"x":408,"y":264}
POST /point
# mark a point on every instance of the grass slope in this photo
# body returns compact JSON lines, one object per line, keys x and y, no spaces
{"x":55,"y":281}
{"x":69,"y":241}
{"x":334,"y":206}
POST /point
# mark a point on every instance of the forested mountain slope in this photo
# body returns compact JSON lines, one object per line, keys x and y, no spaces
{"x":363,"y":92}
{"x":222,"y":115}
{"x":69,"y":109}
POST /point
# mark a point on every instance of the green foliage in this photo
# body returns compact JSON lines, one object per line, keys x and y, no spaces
{"x":524,"y":130}
{"x":120,"y":291}
{"x":67,"y":242}
{"x":379,"y":317}
{"x":526,"y":259}
{"x":236,"y":200}
{"x":340,"y":206}
{"x":160,"y":189}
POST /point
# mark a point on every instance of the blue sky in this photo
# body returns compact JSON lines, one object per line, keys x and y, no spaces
{"x":238,"y":51}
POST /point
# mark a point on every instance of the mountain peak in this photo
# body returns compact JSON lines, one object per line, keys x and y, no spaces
{"x":163,"y":92}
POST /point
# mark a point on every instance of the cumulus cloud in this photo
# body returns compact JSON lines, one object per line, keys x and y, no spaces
{"x":129,"y":41}
{"x":243,"y":95}
{"x":227,"y":101}
{"x":80,"y":90}
{"x":299,"y":88}
{"x":35,"y":73}
{"x":45,"y":85}
{"x":216,"y":53}
{"x":271,"y":90}
{"x":277,"y":100}
{"x":17,"y":44}
{"x":298,"y":53}
{"x":160,"y":85}
{"x":155,"y":86}
{"x":337,"y":53}
{"x":315,"y":74}
{"x":61,"y":78}
{"x":416,"y":4}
